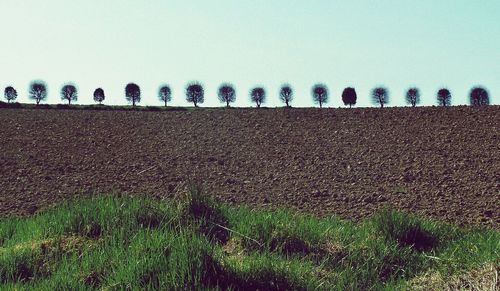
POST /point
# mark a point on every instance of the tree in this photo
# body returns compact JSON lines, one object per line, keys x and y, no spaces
{"x":258,"y":95}
{"x":165,"y":94}
{"x":413,"y":96}
{"x":444,"y":97}
{"x":380,"y":96}
{"x":349,"y":96}
{"x":479,"y":97}
{"x":320,"y":94}
{"x":38,"y":91}
{"x":133,"y":93}
{"x":286,"y":94}
{"x":227,"y":94}
{"x":99,"y":95}
{"x":10,"y":94}
{"x":69,"y":92}
{"x":195,"y":93}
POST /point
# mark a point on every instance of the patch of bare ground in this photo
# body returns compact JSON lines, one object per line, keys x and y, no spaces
{"x":438,"y":162}
{"x":480,"y":279}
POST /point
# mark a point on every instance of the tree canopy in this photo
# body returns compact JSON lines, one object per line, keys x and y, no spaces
{"x":38,"y":91}
{"x":195,"y":93}
{"x":258,"y":95}
{"x":69,"y":93}
{"x":320,"y":94}
{"x":133,"y":93}
{"x":349,"y":96}
{"x":380,"y":96}
{"x":479,"y":97}
{"x":10,"y":94}
{"x":413,"y":96}
{"x":227,"y":93}
{"x":444,"y":97}
{"x":165,"y":94}
{"x":99,"y":95}
{"x":286,"y":94}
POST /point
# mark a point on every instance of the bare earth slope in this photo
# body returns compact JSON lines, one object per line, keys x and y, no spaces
{"x":440,"y":162}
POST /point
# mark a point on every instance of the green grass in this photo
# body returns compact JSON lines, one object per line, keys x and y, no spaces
{"x":16,"y":105}
{"x":104,"y":107}
{"x":116,"y":243}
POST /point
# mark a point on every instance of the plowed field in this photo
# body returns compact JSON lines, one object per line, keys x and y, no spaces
{"x":439,"y":162}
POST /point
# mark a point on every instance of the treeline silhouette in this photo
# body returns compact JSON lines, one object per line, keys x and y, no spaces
{"x":195,"y":94}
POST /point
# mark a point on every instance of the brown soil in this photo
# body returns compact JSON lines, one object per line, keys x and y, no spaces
{"x":439,"y":162}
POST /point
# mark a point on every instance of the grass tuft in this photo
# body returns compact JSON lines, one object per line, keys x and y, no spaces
{"x":408,"y":231}
{"x":212,"y":222}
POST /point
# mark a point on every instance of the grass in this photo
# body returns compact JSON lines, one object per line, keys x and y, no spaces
{"x":104,"y":107}
{"x":115,"y":243}
{"x":16,"y":105}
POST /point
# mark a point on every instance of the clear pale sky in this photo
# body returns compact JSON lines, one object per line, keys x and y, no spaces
{"x":395,"y":43}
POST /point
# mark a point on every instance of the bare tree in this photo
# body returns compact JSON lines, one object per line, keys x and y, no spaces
{"x":380,"y":96}
{"x":38,"y":91}
{"x":227,"y":94}
{"x":10,"y":94}
{"x":286,"y":94}
{"x":258,"y":95}
{"x":99,"y":95}
{"x":444,"y":97}
{"x":165,"y":94}
{"x":320,"y":94}
{"x":349,"y":96}
{"x":195,"y":93}
{"x":479,"y":97}
{"x":69,"y":92}
{"x":413,"y":96}
{"x":133,"y":93}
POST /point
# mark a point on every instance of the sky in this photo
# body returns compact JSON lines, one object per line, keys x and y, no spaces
{"x":363,"y":44}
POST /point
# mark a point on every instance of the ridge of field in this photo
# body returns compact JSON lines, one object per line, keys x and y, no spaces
{"x":438,"y":162}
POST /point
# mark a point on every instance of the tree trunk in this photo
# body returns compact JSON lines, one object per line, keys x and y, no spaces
{"x":69,"y":101}
{"x":287,"y":103}
{"x":133,"y":102}
{"x":227,"y":103}
{"x":165,"y":103}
